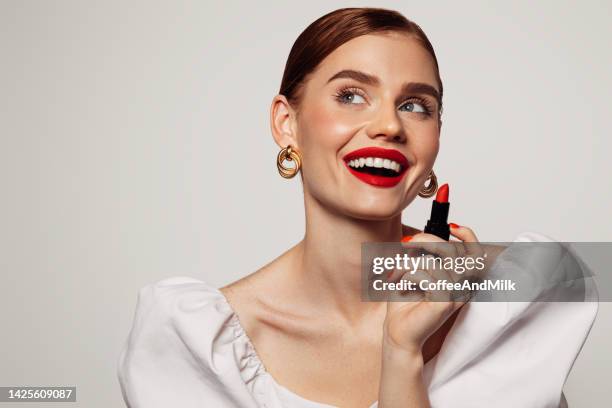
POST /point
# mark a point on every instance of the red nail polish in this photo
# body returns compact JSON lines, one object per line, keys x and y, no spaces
{"x":407,"y":238}
{"x":453,"y":225}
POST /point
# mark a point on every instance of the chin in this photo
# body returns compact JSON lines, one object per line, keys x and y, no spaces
{"x":374,"y":210}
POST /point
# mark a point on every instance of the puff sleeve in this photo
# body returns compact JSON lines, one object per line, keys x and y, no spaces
{"x":514,"y":354}
{"x":186,"y":349}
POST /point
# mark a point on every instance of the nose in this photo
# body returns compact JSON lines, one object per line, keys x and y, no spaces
{"x":386,"y":124}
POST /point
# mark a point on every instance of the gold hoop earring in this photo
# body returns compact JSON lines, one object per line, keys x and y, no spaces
{"x":431,"y":189}
{"x":288,"y":154}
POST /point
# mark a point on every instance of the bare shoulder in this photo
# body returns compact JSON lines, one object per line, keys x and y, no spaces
{"x":243,"y":292}
{"x":262,"y":281}
{"x":262,"y":298}
{"x":244,"y":297}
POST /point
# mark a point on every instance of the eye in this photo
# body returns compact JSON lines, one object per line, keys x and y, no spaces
{"x":350,"y":96}
{"x":413,"y":107}
{"x":418,"y":105}
{"x":354,"y":98}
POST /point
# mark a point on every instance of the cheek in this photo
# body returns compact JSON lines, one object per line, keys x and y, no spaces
{"x":325,"y":130}
{"x":425,"y":141}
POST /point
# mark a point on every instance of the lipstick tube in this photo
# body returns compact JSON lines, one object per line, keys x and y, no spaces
{"x":438,"y":221}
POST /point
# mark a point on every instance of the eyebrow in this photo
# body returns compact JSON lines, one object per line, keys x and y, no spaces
{"x":407,"y":88}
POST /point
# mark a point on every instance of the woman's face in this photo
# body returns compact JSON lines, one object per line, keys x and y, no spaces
{"x":374,"y":91}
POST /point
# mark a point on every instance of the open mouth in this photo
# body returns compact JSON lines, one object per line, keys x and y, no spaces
{"x":377,"y":166}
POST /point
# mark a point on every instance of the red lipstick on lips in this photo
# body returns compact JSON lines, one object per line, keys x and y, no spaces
{"x":377,"y":176}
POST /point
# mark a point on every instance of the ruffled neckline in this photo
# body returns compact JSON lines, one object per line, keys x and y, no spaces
{"x":253,"y":371}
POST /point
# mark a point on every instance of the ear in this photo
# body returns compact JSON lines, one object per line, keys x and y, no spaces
{"x":282,"y":122}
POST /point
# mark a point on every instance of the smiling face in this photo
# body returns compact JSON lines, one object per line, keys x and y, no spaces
{"x":376,"y":92}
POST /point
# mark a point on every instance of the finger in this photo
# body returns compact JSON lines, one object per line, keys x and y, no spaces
{"x":432,"y":244}
{"x":415,"y":294}
{"x":444,"y":249}
{"x":417,"y":276}
{"x":462,"y":232}
{"x":423,"y":237}
{"x":462,"y":248}
{"x":467,"y":235}
{"x":434,"y":266}
{"x":430,"y":277}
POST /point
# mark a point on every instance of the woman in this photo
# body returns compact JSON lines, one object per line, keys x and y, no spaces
{"x":296,"y":333}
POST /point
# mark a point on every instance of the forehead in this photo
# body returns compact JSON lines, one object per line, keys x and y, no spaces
{"x":393,"y":57}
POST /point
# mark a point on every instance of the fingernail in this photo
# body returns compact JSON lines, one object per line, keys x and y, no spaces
{"x":453,"y":225}
{"x":407,"y":238}
{"x":389,"y":274}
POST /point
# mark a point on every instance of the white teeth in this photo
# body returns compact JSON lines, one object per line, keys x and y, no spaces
{"x":376,"y":162}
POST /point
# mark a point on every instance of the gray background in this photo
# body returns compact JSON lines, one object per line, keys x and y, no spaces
{"x":135,"y":145}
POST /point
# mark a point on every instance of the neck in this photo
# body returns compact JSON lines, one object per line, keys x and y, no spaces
{"x":328,"y":259}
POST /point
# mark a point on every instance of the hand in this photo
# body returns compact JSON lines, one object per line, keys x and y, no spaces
{"x":408,"y":324}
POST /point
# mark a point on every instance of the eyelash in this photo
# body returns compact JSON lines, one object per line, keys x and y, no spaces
{"x":344,"y":92}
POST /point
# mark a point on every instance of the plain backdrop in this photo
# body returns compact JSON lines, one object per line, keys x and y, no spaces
{"x":135,"y":145}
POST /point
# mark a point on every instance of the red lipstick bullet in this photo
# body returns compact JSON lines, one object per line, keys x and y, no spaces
{"x":442,"y":196}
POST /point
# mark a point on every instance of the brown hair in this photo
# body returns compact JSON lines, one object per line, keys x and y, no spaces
{"x":332,"y":30}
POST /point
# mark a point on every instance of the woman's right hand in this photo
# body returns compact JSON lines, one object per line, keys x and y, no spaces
{"x":408,"y":324}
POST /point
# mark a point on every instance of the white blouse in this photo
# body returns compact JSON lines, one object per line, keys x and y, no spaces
{"x":187,"y":349}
